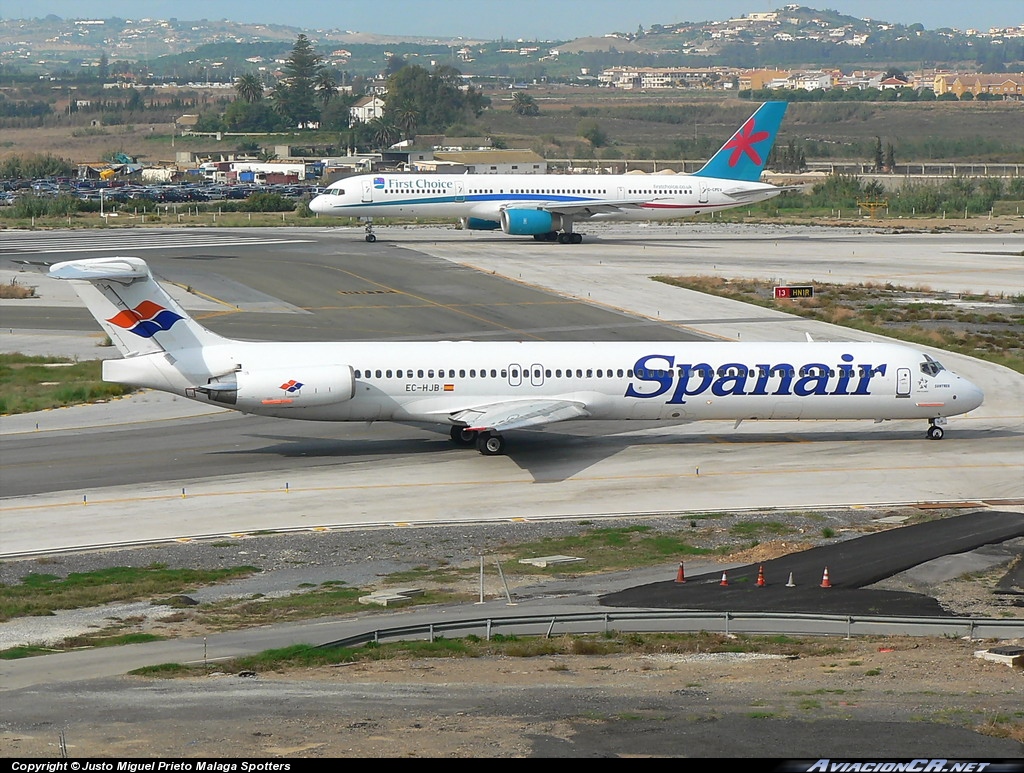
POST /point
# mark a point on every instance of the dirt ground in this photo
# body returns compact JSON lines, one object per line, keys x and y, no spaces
{"x":895,"y":696}
{"x":913,"y":697}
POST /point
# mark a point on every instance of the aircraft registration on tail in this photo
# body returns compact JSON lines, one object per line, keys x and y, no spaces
{"x":547,"y":206}
{"x":482,"y":390}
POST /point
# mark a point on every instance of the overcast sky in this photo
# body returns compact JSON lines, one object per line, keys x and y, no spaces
{"x":494,"y":19}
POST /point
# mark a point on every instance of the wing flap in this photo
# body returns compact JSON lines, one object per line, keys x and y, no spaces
{"x":519,"y":414}
{"x":576,"y":209}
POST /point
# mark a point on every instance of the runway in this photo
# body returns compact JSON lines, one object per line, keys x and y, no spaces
{"x":152,"y":468}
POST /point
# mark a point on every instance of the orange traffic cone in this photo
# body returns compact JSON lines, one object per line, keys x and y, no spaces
{"x":760,"y":576}
{"x":680,"y":576}
{"x":824,"y":580}
{"x":724,"y":581}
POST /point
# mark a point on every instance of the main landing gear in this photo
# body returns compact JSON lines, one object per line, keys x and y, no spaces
{"x":487,"y":442}
{"x":566,"y":237}
{"x":935,"y":431}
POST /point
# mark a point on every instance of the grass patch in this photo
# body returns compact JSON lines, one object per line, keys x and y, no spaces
{"x":751,"y":529}
{"x":611,"y":643}
{"x":43,"y":594}
{"x":984,"y":326}
{"x":325,"y":600}
{"x":14,"y":290}
{"x":38,"y":383}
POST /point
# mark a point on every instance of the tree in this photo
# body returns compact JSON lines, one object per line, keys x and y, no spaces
{"x":878,"y":154}
{"x":249,"y":87}
{"x":395,"y":63}
{"x":524,"y":104}
{"x":296,"y":95}
{"x":438,"y":99}
{"x":890,"y":157}
{"x":385,"y":133}
{"x":326,"y":86}
{"x":591,"y":131}
{"x":407,"y":120}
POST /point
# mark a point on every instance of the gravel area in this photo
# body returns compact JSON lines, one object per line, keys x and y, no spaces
{"x":295,"y":562}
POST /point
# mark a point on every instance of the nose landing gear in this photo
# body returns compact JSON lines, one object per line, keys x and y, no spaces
{"x":935,"y":431}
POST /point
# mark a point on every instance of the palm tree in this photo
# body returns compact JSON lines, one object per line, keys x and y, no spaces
{"x":326,"y":86}
{"x":385,"y":133}
{"x":407,"y":120}
{"x":524,"y":104}
{"x":249,"y":87}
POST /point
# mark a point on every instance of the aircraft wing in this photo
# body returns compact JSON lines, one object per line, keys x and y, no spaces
{"x":739,"y":194}
{"x":517,"y":414}
{"x":588,"y":208}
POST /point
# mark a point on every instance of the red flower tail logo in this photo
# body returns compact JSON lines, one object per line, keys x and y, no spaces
{"x":743,"y":143}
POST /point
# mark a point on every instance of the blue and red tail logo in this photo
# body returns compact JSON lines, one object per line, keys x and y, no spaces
{"x":146,"y":320}
{"x":292,"y":386}
{"x":743,"y":157}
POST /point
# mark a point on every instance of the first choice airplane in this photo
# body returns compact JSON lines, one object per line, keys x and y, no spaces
{"x":481,"y":390}
{"x":547,"y":206}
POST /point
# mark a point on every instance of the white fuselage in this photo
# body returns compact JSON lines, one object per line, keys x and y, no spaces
{"x":428,"y":382}
{"x":482,"y":197}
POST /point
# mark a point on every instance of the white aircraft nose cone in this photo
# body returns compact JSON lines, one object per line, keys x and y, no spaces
{"x":969,"y":396}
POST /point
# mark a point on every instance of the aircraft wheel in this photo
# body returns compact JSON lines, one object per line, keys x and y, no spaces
{"x":575,"y":238}
{"x":461,"y":436}
{"x":564,"y":238}
{"x":371,"y":238}
{"x":490,"y":444}
{"x":551,"y":236}
{"x":935,"y":433}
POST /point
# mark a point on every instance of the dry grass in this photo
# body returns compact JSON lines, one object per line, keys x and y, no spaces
{"x":14,"y":290}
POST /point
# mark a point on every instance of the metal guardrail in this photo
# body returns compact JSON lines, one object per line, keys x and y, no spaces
{"x":689,"y":622}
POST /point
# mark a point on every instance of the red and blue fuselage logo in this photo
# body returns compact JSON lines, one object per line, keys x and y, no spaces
{"x":145,"y":320}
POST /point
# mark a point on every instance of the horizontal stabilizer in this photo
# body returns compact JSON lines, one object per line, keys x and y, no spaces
{"x":124,"y":270}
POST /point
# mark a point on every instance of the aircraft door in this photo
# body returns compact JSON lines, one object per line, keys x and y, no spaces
{"x":367,"y":190}
{"x":903,"y":382}
{"x":703,"y":197}
{"x":460,"y":191}
{"x":537,"y":375}
{"x":515,"y":375}
{"x":621,"y":193}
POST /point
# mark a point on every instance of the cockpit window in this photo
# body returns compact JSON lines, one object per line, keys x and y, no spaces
{"x":337,"y":191}
{"x":931,"y":367}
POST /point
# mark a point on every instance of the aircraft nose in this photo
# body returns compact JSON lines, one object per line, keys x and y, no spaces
{"x":319,"y":204}
{"x":969,"y":396}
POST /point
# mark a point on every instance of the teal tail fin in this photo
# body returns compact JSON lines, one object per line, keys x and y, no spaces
{"x":743,"y":157}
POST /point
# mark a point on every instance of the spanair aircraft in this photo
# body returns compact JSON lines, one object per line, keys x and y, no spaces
{"x":546,"y":206}
{"x":481,"y":390}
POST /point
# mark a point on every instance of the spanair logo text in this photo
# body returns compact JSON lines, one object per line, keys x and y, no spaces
{"x":743,"y":142}
{"x":660,"y":376}
{"x":145,"y":320}
{"x":292,"y":386}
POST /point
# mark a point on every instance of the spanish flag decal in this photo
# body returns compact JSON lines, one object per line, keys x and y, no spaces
{"x":449,"y":387}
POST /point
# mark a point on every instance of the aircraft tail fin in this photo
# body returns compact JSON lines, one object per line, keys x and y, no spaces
{"x":138,"y":315}
{"x":743,"y":157}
